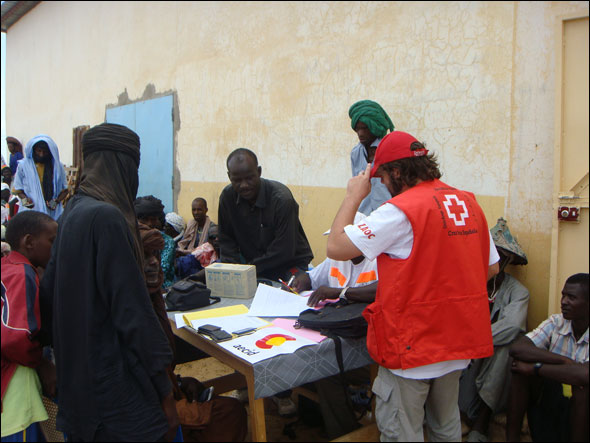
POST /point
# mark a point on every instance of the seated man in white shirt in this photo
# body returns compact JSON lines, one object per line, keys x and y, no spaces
{"x":354,"y":280}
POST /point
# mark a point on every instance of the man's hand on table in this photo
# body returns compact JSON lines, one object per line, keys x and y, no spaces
{"x":322,"y":293}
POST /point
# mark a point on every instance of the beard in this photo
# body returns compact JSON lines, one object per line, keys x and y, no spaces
{"x":396,"y":185}
{"x":46,"y":159}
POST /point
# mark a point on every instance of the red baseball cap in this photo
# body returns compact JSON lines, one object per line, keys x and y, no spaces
{"x":394,"y":146}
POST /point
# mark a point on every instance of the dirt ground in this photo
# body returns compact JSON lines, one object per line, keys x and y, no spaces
{"x":209,"y":368}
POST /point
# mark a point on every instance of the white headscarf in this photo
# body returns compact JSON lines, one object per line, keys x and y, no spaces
{"x":177,"y":222}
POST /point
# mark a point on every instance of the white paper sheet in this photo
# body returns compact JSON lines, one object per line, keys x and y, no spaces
{"x":179,"y":321}
{"x":274,"y":302}
{"x":265,"y":343}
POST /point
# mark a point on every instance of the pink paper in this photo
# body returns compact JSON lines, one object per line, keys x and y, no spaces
{"x":288,"y":323}
{"x":325,"y":302}
{"x":320,"y":304}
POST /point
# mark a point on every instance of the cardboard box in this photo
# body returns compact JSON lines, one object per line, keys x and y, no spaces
{"x":230,"y":280}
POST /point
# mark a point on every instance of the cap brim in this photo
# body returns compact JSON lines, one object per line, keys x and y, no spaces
{"x":374,"y":170}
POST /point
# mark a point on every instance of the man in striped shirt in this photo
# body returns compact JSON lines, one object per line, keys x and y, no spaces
{"x":555,"y":353}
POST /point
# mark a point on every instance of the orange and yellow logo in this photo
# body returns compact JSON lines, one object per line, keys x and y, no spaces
{"x":273,"y":340}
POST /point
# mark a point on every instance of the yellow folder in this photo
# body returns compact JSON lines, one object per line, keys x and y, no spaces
{"x":211,"y":313}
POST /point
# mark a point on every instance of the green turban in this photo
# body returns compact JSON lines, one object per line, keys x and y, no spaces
{"x":372,"y":115}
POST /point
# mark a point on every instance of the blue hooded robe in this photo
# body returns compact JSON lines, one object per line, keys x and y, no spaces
{"x":27,"y":179}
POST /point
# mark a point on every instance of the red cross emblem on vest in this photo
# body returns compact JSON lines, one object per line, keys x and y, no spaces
{"x":456,"y":209}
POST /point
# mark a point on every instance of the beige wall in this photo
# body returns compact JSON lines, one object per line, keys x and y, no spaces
{"x":475,"y":80}
{"x":569,"y":252}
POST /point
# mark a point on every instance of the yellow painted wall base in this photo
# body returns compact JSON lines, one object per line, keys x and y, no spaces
{"x":534,"y":275}
{"x":318,"y":206}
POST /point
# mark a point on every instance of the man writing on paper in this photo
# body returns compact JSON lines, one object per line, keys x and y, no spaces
{"x":354,"y":280}
{"x":431,"y":316}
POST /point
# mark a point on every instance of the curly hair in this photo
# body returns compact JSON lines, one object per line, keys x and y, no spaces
{"x":413,"y":169}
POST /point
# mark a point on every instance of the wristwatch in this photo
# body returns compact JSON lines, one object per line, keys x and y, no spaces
{"x":342,"y":295}
{"x":536,"y":368}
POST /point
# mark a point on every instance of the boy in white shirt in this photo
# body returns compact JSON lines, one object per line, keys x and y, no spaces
{"x":354,"y":280}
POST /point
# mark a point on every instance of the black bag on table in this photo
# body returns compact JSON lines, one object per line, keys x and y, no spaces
{"x":342,"y":318}
{"x":187,"y":294}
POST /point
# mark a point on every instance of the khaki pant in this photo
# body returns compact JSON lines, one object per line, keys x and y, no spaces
{"x":403,"y":403}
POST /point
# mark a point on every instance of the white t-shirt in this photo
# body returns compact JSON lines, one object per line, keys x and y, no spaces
{"x":388,"y":230}
{"x":340,"y":274}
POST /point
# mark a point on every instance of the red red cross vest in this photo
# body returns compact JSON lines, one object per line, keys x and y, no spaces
{"x":433,"y":306}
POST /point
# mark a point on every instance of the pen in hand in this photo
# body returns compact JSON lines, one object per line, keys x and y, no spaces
{"x":289,"y":287}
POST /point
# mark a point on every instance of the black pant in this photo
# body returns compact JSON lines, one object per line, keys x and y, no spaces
{"x":548,"y":417}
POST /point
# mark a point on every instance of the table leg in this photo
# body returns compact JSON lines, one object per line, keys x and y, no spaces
{"x":257,"y":420}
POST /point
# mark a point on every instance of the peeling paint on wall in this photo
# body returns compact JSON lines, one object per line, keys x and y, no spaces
{"x":150,"y":92}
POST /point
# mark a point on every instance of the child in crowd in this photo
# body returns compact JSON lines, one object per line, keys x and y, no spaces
{"x":5,"y":208}
{"x":30,"y":235}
